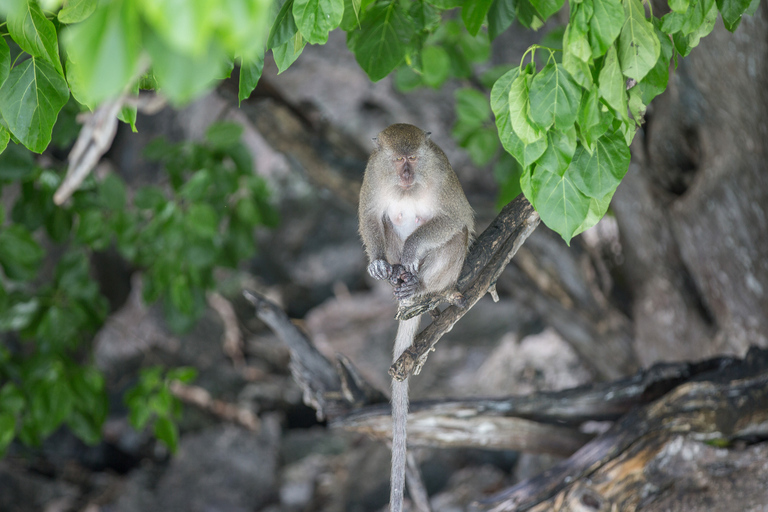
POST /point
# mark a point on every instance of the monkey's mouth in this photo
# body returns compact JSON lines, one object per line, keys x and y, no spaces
{"x":406,"y":178}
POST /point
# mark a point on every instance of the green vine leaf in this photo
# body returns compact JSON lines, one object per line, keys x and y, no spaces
{"x":561,"y":146}
{"x":76,"y":11}
{"x":287,"y":53}
{"x":638,"y":45}
{"x":30,"y":100}
{"x":383,"y":40}
{"x":5,"y":60}
{"x":473,"y":13}
{"x":554,"y":97}
{"x":599,"y":174}
{"x":105,"y":49}
{"x":519,"y":108}
{"x":562,"y":206}
{"x":34,"y":33}
{"x":605,"y":25}
{"x":283,"y":28}
{"x":316,"y":18}
{"x":250,"y":73}
{"x":611,"y":83}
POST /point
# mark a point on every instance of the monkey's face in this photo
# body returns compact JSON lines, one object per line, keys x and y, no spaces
{"x":405,"y":166}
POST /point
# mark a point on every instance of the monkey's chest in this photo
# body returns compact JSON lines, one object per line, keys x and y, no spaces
{"x":406,"y":216}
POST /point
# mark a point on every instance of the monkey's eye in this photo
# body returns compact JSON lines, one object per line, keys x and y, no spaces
{"x":399,"y":159}
{"x":411,"y":158}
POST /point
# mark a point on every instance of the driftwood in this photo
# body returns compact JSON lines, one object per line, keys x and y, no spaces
{"x":615,"y":471}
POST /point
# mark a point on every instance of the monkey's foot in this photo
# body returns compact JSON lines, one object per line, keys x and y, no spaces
{"x":380,"y":269}
{"x":404,"y":282}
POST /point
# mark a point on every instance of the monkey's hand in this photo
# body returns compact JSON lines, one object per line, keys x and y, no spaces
{"x":405,"y":282}
{"x":380,"y":269}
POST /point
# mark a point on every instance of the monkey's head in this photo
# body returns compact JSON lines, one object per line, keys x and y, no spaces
{"x":403,"y":145}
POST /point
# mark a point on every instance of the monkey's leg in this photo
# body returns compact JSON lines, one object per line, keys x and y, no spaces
{"x":440,"y":269}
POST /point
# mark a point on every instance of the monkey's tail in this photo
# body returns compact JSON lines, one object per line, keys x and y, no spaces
{"x":406,"y":330}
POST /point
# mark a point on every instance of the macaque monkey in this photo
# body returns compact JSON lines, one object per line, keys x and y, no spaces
{"x":416,"y":225}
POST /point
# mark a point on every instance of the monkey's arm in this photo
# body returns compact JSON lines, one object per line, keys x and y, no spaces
{"x":372,"y":232}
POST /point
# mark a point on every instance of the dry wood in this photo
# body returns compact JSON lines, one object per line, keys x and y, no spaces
{"x":612,"y":471}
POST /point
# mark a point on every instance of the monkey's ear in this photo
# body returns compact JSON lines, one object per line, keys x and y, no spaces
{"x":427,"y":134}
{"x":376,"y":142}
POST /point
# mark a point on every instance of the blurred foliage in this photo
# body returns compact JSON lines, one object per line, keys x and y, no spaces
{"x":177,"y":235}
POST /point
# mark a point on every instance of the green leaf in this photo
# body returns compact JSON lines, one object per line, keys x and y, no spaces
{"x":185,"y":374}
{"x":351,"y":19}
{"x":435,"y":65}
{"x":181,"y":294}
{"x":18,"y":317}
{"x":472,"y":108}
{"x":149,"y":198}
{"x":638,"y":45}
{"x":224,"y":134}
{"x":547,"y":8}
{"x":591,"y":121}
{"x":287,"y":53}
{"x":559,"y":202}
{"x":473,"y":13}
{"x":5,"y":60}
{"x":706,"y":27}
{"x":525,"y":154}
{"x":316,"y":18}
{"x":5,"y":136}
{"x":500,"y":17}
{"x":500,"y":108}
{"x":11,"y":399}
{"x":507,"y":173}
{"x":7,"y":430}
{"x":20,"y":255}
{"x":186,"y":26}
{"x":599,"y":174}
{"x":250,"y":73}
{"x":561,"y":146}
{"x":34,"y":33}
{"x":17,"y":164}
{"x":575,"y":37}
{"x":167,"y":432}
{"x":579,"y":70}
{"x":679,"y":6}
{"x":182,"y":77}
{"x":605,"y":25}
{"x":284,"y":27}
{"x":655,"y":82}
{"x":696,"y":16}
{"x":597,"y":209}
{"x":127,"y":114}
{"x":383,"y":40}
{"x":554,"y":97}
{"x":519,"y":109}
{"x":77,"y":10}
{"x":612,"y":88}
{"x":482,"y":145}
{"x":105,"y":50}
{"x":112,"y":192}
{"x":202,"y":220}
{"x":30,"y":100}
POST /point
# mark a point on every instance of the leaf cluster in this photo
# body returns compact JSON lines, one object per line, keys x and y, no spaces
{"x":178,"y":235}
{"x":150,"y":401}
